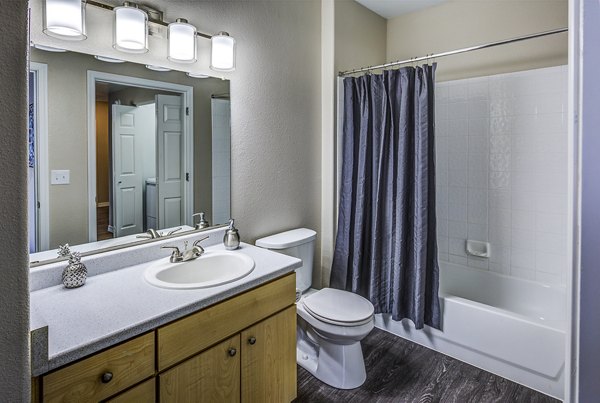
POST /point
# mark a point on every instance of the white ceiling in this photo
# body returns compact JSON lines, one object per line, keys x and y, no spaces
{"x":393,"y":8}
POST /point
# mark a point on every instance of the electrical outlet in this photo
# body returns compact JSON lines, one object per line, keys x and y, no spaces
{"x":60,"y":177}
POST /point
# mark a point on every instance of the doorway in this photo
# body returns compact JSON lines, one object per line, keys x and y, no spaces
{"x":141,"y":138}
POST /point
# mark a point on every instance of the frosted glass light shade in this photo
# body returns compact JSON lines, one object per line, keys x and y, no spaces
{"x":222,"y":55}
{"x":131,"y":31}
{"x":182,"y":42}
{"x":65,"y":19}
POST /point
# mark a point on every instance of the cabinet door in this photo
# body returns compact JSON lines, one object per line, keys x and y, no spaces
{"x":211,"y":376}
{"x":269,"y":359}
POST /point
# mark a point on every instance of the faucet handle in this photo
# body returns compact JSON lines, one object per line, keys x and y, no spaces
{"x":197,"y":242}
{"x":176,"y":255}
{"x":173,"y":231}
{"x":176,"y":250}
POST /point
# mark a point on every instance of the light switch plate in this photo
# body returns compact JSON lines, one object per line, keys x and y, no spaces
{"x":60,"y":177}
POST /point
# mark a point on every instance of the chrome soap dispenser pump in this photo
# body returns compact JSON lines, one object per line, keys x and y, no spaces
{"x":231,"y":240}
{"x":202,"y":223}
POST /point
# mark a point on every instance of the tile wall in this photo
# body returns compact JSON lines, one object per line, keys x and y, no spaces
{"x":221,"y":160}
{"x":501,"y":172}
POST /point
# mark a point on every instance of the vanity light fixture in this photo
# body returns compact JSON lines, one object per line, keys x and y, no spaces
{"x":65,"y":19}
{"x":182,"y":41}
{"x":108,"y":59}
{"x":222,"y":55}
{"x":131,"y":29}
{"x":157,"y":68}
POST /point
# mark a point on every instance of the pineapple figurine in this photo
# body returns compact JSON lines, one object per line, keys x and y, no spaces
{"x":75,"y":273}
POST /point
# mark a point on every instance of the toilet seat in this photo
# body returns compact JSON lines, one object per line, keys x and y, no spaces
{"x":337,"y":307}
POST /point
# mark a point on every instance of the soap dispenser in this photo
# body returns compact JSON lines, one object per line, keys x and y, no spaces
{"x":231,"y":240}
{"x":202,"y":223}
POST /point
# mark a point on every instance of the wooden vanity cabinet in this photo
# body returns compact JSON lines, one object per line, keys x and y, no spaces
{"x":256,"y":365}
{"x":240,"y":350}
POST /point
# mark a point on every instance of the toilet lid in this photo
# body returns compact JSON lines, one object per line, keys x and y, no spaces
{"x":336,"y":306}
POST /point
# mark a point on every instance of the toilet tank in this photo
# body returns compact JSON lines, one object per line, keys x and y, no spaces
{"x":298,"y":243}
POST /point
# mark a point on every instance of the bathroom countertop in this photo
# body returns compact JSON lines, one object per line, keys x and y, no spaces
{"x":118,"y":305}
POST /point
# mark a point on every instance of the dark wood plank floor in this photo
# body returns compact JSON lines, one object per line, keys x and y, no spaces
{"x":401,"y":371}
{"x":102,"y":224}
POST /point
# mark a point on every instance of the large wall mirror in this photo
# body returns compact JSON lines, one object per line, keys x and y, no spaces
{"x":118,"y":149}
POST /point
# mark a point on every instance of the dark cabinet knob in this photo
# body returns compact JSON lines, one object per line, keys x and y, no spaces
{"x":232,"y":352}
{"x":252,"y":340}
{"x":107,"y":377}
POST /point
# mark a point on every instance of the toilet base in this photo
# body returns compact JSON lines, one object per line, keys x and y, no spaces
{"x":340,"y":366}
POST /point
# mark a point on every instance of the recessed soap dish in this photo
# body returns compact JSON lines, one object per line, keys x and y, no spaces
{"x":478,"y":248}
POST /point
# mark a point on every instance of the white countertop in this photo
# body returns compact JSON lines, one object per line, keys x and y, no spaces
{"x":118,"y":305}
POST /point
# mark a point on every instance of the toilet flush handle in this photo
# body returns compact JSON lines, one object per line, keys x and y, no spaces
{"x":252,"y":340}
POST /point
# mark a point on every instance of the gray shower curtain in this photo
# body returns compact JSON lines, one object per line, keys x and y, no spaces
{"x":386,"y":245}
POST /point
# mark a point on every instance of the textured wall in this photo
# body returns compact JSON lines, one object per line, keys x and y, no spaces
{"x":456,"y":24}
{"x":14,"y":293}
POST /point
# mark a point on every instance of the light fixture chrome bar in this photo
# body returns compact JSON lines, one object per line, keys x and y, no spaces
{"x":453,"y":52}
{"x":104,"y":6}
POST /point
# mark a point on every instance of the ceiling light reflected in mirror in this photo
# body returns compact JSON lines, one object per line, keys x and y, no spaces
{"x":109,"y":59}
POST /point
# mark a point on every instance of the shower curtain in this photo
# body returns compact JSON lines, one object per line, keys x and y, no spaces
{"x":386,"y":247}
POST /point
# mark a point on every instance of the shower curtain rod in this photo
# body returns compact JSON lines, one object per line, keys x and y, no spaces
{"x":454,"y":52}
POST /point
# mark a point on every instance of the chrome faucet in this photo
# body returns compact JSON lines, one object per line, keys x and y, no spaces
{"x":194,"y":252}
{"x":153,"y":234}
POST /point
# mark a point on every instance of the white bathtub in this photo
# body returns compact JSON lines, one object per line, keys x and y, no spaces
{"x":511,"y":327}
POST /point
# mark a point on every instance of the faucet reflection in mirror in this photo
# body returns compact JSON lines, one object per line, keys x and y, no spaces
{"x":65,"y":19}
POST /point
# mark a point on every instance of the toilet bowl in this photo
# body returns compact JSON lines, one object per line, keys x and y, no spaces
{"x":331,"y":323}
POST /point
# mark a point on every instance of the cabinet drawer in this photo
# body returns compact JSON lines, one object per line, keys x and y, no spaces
{"x":129,"y":363}
{"x":190,"y":335}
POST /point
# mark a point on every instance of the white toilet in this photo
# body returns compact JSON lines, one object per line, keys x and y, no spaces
{"x":331,"y":323}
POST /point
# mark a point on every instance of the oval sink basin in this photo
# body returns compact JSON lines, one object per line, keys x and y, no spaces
{"x":209,"y":270}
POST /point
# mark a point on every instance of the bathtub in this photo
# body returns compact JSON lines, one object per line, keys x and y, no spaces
{"x":511,"y":327}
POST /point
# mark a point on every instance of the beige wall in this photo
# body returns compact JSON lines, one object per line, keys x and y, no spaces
{"x":67,"y":135}
{"x":360,"y":36}
{"x":14,"y":243}
{"x":456,"y":24}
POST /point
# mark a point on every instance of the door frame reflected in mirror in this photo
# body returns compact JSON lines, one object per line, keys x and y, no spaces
{"x":186,"y":92}
{"x":42,"y":174}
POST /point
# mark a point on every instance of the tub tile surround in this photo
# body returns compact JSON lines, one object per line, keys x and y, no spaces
{"x":501,"y":166}
{"x":116,"y":303}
